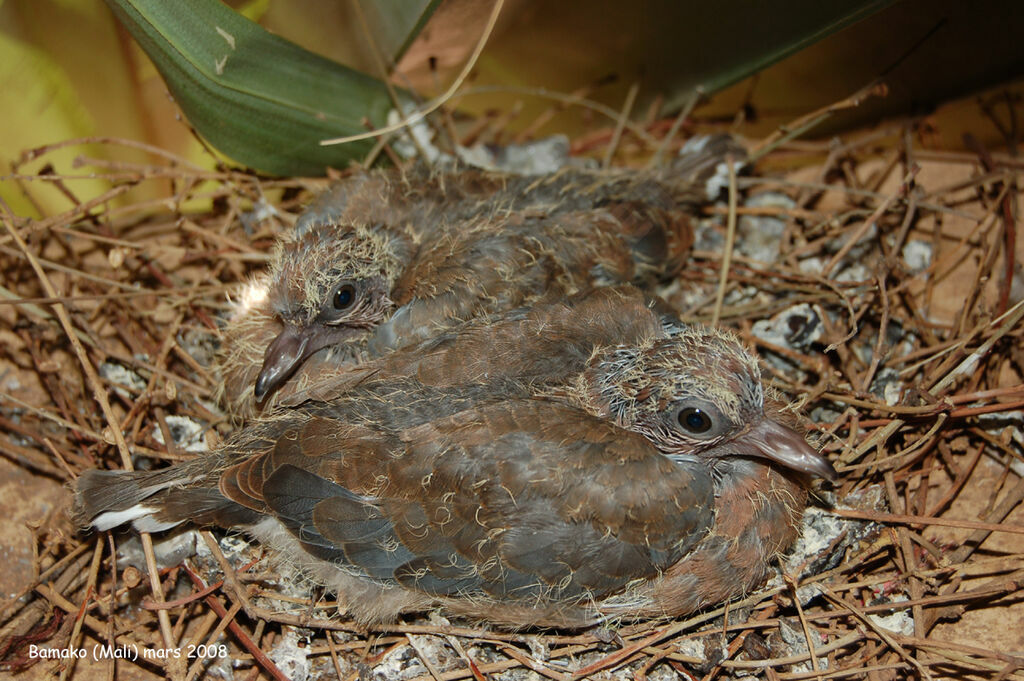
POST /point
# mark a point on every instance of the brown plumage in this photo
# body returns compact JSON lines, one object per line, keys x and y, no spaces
{"x":385,"y":259}
{"x":542,"y":344}
{"x":654,"y":479}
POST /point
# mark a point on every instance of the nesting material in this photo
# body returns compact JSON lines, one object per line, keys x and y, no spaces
{"x":872,"y":279}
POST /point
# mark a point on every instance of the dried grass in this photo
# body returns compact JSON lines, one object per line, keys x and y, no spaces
{"x":912,"y":372}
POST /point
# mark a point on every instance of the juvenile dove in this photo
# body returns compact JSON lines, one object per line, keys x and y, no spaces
{"x":658,"y":479}
{"x":385,"y":259}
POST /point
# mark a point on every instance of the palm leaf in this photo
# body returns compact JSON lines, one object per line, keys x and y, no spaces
{"x":261,"y":100}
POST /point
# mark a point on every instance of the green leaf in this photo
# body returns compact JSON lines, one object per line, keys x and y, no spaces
{"x":772,"y":31}
{"x":396,"y":23}
{"x":259,"y":99}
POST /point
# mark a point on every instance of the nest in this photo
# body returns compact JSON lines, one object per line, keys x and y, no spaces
{"x":873,"y":274}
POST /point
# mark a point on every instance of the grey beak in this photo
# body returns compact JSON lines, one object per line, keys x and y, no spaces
{"x":283,"y":356}
{"x":786,"y":447}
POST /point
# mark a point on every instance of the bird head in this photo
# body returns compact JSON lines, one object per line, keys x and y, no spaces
{"x":697,"y":393}
{"x":327,"y":285}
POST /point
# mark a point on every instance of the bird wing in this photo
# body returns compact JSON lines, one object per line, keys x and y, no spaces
{"x":546,"y":342}
{"x":519,"y":498}
{"x":505,"y":260}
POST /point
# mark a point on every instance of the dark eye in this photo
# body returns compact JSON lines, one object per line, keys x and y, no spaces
{"x":695,"y":420}
{"x":344,"y":297}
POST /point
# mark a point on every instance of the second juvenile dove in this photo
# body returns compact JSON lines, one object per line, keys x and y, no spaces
{"x":385,"y":259}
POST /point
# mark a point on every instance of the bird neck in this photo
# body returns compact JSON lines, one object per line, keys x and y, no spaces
{"x":778,"y":499}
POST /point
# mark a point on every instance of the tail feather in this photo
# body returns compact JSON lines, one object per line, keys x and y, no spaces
{"x":116,"y":495}
{"x":153,"y":501}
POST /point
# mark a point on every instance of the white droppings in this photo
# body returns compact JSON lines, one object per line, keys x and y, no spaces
{"x":796,"y":327}
{"x":900,"y":622}
{"x":917,"y":255}
{"x":719,"y":180}
{"x":539,"y":157}
{"x":760,"y":236}
{"x":794,"y":636}
{"x":121,"y":375}
{"x":187,"y":434}
{"x":291,"y":658}
{"x":422,"y":133}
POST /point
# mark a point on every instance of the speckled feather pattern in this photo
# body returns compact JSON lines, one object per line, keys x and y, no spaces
{"x":306,"y":267}
{"x":502,"y":497}
{"x":639,"y":383}
{"x":426,"y":248}
{"x":473,"y":408}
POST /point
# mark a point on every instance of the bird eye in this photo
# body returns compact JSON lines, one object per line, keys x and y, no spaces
{"x":695,"y":420}
{"x":344,"y":297}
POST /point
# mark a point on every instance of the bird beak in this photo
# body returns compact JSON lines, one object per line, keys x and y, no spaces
{"x":785,"y":446}
{"x":291,"y":347}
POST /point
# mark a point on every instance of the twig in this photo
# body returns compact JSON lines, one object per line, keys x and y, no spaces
{"x":656,"y":158}
{"x":101,"y":397}
{"x":627,"y":108}
{"x":881,"y":632}
{"x":730,"y":240}
{"x":440,"y":101}
{"x":805,"y":123}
